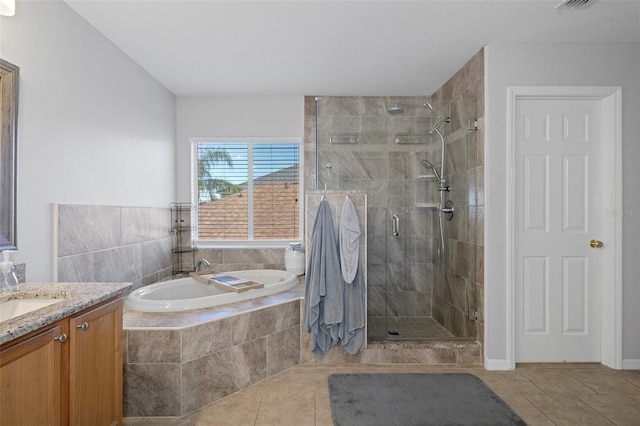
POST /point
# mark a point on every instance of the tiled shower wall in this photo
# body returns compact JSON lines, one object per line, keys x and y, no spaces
{"x":107,"y":243}
{"x":458,"y":281}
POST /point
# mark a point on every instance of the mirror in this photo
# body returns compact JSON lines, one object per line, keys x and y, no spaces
{"x":8,"y":159}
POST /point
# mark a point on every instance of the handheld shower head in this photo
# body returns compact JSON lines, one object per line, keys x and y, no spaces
{"x":428,"y":165}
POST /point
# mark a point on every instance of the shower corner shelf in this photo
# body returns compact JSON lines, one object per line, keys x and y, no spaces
{"x":427,"y":205}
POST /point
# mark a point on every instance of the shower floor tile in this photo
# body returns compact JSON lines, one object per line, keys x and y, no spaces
{"x":406,"y":328}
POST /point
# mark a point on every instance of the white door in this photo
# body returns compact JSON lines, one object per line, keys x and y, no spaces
{"x":557,"y":177}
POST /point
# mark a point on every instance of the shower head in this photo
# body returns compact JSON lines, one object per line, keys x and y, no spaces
{"x":396,"y":109}
{"x":428,"y":165}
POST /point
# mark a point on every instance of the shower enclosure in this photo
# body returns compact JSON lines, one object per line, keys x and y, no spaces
{"x":421,"y":269}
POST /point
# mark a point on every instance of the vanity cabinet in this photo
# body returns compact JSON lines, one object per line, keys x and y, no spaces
{"x":31,"y":385}
{"x":95,"y":366}
{"x":71,"y":373}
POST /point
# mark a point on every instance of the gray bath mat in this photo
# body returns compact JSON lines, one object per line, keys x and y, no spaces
{"x":416,"y":399}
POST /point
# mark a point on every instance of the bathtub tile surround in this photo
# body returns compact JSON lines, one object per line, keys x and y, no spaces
{"x":230,"y":370}
{"x":235,"y":259}
{"x":152,"y":388}
{"x":109,"y":243}
{"x":176,"y":370}
{"x":83,"y":229}
{"x":154,"y":346}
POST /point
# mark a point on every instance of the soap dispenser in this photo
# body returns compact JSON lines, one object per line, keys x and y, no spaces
{"x":9,"y":279}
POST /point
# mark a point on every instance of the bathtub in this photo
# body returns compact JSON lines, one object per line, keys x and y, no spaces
{"x":186,"y":293}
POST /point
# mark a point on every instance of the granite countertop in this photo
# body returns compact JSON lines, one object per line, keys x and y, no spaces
{"x":74,"y":297}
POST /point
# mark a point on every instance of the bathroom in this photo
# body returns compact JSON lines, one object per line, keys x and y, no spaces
{"x":136,"y":167}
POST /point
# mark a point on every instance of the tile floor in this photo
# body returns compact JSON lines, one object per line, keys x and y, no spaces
{"x":542,"y":394}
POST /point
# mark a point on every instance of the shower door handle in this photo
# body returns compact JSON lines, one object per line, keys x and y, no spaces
{"x":395,"y":225}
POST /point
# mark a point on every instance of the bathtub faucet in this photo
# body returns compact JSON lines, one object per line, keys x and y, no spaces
{"x":202,"y":262}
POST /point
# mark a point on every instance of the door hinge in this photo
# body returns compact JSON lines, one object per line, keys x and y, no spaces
{"x":473,"y":314}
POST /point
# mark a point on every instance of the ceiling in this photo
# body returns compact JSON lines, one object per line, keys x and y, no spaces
{"x":336,"y":47}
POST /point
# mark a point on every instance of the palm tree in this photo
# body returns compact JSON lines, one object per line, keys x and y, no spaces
{"x":208,"y":185}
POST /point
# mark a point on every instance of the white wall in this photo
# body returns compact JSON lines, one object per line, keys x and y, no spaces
{"x":277,"y":116}
{"x":93,"y":127}
{"x":557,"y":65}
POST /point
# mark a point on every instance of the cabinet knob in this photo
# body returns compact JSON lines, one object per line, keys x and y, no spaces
{"x":61,"y":338}
{"x":83,"y":326}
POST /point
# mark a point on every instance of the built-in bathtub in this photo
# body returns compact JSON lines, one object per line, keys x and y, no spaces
{"x":187,"y":293}
{"x":177,"y":362}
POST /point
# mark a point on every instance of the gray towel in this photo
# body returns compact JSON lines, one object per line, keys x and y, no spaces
{"x":352,"y":330}
{"x":349,"y":241}
{"x":323,"y":298}
{"x":354,"y":313}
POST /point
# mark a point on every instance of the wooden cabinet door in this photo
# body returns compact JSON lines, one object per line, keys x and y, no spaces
{"x":95,"y":394}
{"x":31,"y":390}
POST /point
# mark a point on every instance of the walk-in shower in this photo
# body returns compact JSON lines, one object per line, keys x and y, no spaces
{"x":413,"y":157}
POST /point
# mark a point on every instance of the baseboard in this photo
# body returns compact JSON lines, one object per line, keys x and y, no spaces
{"x":631,"y":364}
{"x":497,"y":364}
{"x":503,"y":364}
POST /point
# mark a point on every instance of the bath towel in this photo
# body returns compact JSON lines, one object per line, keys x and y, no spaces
{"x":352,"y":329}
{"x":349,"y":241}
{"x":323,"y":301}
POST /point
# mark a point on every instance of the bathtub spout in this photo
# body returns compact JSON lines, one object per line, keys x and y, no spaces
{"x":202,"y":262}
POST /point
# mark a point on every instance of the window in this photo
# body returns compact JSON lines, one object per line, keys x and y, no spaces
{"x":247,"y":192}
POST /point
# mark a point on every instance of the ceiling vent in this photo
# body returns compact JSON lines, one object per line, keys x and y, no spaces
{"x":576,"y":4}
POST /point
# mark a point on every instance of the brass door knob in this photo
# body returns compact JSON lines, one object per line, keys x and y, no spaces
{"x":596,"y":244}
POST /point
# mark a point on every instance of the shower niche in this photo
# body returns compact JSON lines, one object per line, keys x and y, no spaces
{"x":425,"y":194}
{"x":421,"y":280}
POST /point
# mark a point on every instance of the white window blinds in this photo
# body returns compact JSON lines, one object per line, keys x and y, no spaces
{"x":247,"y":190}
